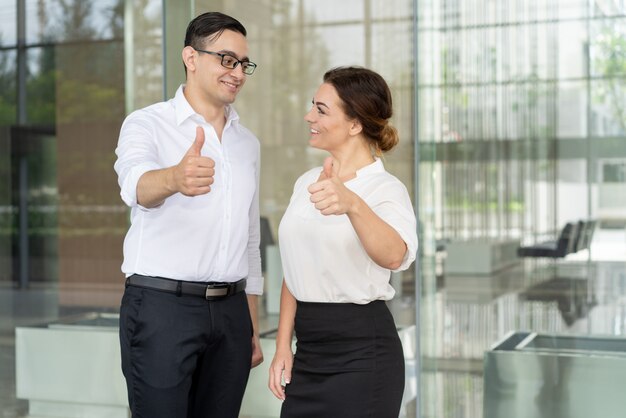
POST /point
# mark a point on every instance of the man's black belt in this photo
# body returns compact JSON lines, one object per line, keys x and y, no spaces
{"x":208,"y":290}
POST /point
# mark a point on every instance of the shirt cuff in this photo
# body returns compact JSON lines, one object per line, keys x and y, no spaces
{"x":129,"y":187}
{"x":254,"y":286}
{"x":409,"y":256}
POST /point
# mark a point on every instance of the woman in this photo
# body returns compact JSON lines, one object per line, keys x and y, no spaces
{"x":348,"y":225}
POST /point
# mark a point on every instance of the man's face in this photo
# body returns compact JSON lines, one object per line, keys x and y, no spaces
{"x":219,"y":84}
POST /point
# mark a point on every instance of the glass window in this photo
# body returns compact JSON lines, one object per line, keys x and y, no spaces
{"x":392,"y":9}
{"x":8,"y":17}
{"x":34,"y":194}
{"x":432,"y":115}
{"x":605,"y":9}
{"x":614,"y":172}
{"x":7,"y":208}
{"x":572,"y":105}
{"x":41,"y":86}
{"x":344,"y":44}
{"x":327,"y":11}
{"x":489,"y":192}
{"x":571,"y":9}
{"x":293,"y":51}
{"x":8,"y":87}
{"x":608,"y":107}
{"x":572,"y":50}
{"x":429,"y":69}
{"x":143,"y":66}
{"x":58,"y":21}
{"x":608,"y":48}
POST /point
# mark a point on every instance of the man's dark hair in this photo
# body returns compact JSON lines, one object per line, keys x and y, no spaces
{"x":210,"y":26}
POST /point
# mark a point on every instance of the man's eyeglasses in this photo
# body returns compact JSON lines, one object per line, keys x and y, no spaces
{"x":231,"y":62}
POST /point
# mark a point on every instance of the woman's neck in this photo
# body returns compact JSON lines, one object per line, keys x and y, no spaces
{"x":352,"y":159}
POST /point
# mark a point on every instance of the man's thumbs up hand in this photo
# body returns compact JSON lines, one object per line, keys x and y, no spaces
{"x":329,"y":195}
{"x":193,"y":175}
{"x":196,"y":147}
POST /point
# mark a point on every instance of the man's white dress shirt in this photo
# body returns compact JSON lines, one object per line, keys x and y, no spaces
{"x":212,"y":237}
{"x":322,"y":256}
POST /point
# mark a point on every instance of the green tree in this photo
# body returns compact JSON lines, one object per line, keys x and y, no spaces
{"x":609,"y":62}
{"x":8,"y":92}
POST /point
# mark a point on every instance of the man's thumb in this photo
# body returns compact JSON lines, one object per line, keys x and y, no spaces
{"x":196,"y":147}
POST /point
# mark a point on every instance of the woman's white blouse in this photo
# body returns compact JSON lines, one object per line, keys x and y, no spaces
{"x":322,"y":257}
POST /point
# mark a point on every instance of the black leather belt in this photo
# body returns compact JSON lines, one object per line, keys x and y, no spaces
{"x":208,"y":290}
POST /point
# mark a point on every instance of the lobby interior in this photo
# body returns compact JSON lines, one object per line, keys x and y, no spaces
{"x":512,"y":126}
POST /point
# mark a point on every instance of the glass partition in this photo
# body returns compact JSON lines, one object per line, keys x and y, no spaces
{"x":62,"y":101}
{"x":522,"y":109}
{"x":294,"y":43}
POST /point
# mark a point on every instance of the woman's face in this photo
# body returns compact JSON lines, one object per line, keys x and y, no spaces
{"x":329,"y":126}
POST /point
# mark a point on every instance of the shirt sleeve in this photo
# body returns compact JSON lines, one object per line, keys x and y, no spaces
{"x":255,"y":275}
{"x":136,"y":154}
{"x":396,"y":209}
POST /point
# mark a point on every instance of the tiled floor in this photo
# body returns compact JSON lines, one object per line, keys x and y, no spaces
{"x":460,"y":320}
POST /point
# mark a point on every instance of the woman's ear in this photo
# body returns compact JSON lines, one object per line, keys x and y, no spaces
{"x":356,"y":127}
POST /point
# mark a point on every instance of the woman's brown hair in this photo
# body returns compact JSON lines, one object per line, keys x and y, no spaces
{"x":367,"y":98}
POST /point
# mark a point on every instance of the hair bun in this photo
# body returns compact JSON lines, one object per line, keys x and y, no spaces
{"x":388,"y":138}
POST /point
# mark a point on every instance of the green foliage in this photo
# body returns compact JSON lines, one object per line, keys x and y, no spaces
{"x":609,"y":62}
{"x":8,"y":92}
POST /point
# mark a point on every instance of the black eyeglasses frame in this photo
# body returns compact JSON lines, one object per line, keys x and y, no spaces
{"x":247,"y":67}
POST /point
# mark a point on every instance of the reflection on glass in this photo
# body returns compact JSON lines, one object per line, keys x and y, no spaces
{"x":608,"y":107}
{"x":392,"y":9}
{"x":572,"y":49}
{"x":606,"y":9}
{"x":8,"y":88}
{"x":35,"y":196}
{"x":572,"y":9}
{"x":8,"y":115}
{"x":500,"y":86}
{"x":144,"y":60}
{"x":452,"y":14}
{"x":41,"y":86}
{"x":345,"y":44}
{"x":608,"y":48}
{"x":8,"y":17}
{"x":325,"y":11}
{"x":92,"y":219}
{"x":6,"y":207}
{"x":74,"y":20}
{"x":572,"y":118}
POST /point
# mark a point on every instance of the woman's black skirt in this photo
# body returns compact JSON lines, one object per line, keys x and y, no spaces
{"x":348,"y":363}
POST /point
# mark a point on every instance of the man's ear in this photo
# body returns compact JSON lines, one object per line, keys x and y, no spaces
{"x":189,"y":58}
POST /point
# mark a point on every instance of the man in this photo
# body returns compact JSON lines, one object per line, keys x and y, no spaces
{"x":190,"y":172}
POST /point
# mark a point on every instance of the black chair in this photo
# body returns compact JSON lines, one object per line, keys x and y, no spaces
{"x":267,"y":238}
{"x":586,"y":235}
{"x":563,"y":246}
{"x":576,"y":240}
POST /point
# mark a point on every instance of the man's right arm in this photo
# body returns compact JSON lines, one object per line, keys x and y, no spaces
{"x":192,"y":176}
{"x":154,"y":187}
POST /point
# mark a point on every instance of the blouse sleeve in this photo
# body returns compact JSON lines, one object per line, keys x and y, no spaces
{"x":393,"y":205}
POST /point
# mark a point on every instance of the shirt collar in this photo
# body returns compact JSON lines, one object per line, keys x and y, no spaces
{"x":375,"y":167}
{"x":184,"y":110}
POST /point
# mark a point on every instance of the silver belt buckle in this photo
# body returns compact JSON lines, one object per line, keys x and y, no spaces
{"x":212,"y":292}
